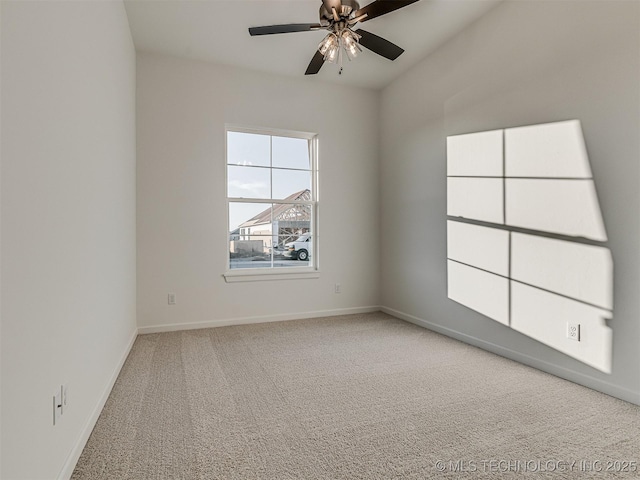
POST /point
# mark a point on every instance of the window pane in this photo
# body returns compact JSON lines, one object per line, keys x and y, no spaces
{"x":248,"y":182}
{"x":249,"y":218}
{"x":294,"y":252}
{"x":254,"y":251}
{"x":291,"y":183}
{"x":248,"y":149}
{"x":291,"y":219}
{"x":250,"y":235}
{"x":291,"y":153}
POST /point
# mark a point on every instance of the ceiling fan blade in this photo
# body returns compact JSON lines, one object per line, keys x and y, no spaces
{"x":379,"y":45}
{"x":288,"y":28}
{"x":381,"y":7}
{"x":316,"y":64}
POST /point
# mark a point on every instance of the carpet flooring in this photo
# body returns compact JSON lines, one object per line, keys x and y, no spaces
{"x":352,"y":397}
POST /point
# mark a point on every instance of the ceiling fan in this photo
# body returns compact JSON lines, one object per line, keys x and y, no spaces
{"x":339,"y":17}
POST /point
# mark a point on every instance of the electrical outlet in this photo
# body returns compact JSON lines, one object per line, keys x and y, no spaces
{"x":338,"y":288}
{"x":573,"y":331}
{"x":171,"y":298}
{"x":57,"y":406}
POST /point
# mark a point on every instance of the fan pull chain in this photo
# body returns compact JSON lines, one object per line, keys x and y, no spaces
{"x":340,"y":54}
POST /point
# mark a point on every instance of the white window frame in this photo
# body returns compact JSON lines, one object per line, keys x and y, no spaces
{"x":275,"y":273}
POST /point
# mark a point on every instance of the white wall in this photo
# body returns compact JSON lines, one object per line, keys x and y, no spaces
{"x":0,"y":245}
{"x":183,"y":106}
{"x":525,"y":62}
{"x":68,"y":222}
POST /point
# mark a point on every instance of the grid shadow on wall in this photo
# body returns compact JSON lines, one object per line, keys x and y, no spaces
{"x":526,"y":238}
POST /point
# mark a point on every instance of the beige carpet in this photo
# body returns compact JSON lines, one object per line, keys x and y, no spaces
{"x":352,"y":397}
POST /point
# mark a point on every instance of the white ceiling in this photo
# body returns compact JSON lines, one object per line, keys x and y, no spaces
{"x":216,"y":31}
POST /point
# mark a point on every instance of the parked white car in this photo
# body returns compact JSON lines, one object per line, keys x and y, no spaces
{"x":298,"y":249}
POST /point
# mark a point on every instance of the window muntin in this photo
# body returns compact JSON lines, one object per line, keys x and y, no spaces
{"x":272,"y":200}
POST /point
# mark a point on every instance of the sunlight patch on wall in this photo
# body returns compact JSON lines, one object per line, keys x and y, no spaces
{"x":566,"y":207}
{"x":525,"y":236}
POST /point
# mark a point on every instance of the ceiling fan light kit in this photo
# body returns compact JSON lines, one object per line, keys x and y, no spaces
{"x":329,"y":47}
{"x":350,"y":42}
{"x":333,"y":44}
{"x":338,"y":17}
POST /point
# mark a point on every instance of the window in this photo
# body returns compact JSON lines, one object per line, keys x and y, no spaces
{"x":271,"y":200}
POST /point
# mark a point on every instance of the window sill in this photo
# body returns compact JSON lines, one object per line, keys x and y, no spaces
{"x":252,"y":275}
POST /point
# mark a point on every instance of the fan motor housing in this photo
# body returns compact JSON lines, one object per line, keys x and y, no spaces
{"x":348,"y":6}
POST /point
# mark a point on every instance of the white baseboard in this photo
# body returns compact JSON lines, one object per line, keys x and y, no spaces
{"x":562,"y":372}
{"x":74,"y":456}
{"x":257,"y":319}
